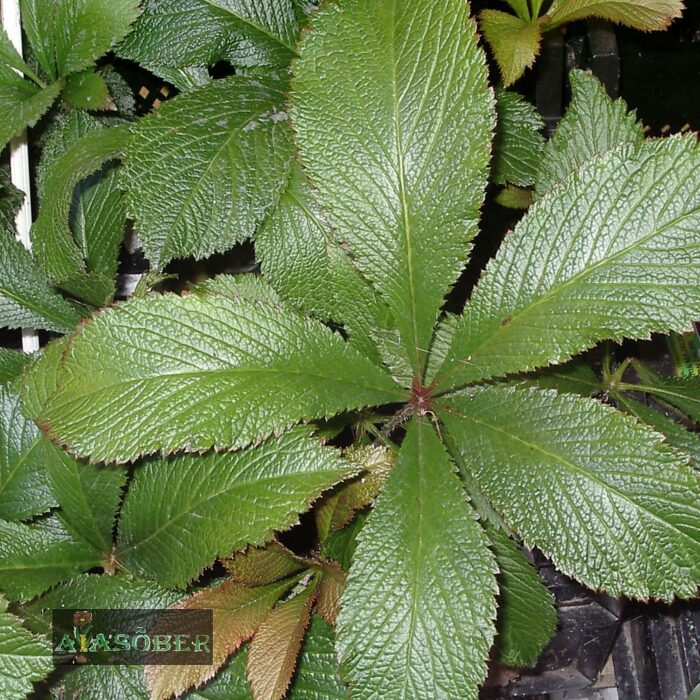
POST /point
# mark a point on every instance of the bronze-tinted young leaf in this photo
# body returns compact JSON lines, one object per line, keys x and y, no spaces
{"x":238,"y":611}
{"x":330,"y":589}
{"x":273,"y":652}
{"x":258,"y":566}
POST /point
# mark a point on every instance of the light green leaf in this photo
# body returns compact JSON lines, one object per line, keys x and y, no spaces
{"x":12,"y":362}
{"x":417,"y":615}
{"x":527,"y":619}
{"x":399,"y":163}
{"x":24,"y":457}
{"x":677,"y":436}
{"x":22,"y":103}
{"x":681,"y":392}
{"x":597,"y":492}
{"x":98,"y":209}
{"x":87,"y":90}
{"x":89,"y":496}
{"x":194,"y":373}
{"x":592,"y":125}
{"x":54,"y":246}
{"x":184,"y":79}
{"x":611,"y":254}
{"x":67,"y":36}
{"x":185,"y":33}
{"x":518,"y":143}
{"x":219,"y":503}
{"x":513,"y":197}
{"x":515,"y":42}
{"x":41,"y":378}
{"x":218,"y":156}
{"x":26,"y":299}
{"x":35,"y":557}
{"x":244,"y":286}
{"x":24,"y":657}
{"x":641,"y":14}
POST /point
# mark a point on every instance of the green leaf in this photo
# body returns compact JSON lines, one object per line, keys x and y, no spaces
{"x":89,"y":496}
{"x":194,"y":373}
{"x":230,"y":683}
{"x":12,"y":362}
{"x":11,"y":200}
{"x":24,"y":458}
{"x":26,"y":299}
{"x":317,"y":677}
{"x":11,"y":57}
{"x":340,"y":546}
{"x":513,"y":197}
{"x":35,"y":557}
{"x":592,"y":125}
{"x":87,"y":90}
{"x":515,"y":42}
{"x":218,"y":156}
{"x":24,"y":658}
{"x":681,"y":392}
{"x":41,"y":378}
{"x":97,"y":209}
{"x":57,"y":252}
{"x":219,"y":503}
{"x":647,"y":15}
{"x":292,"y":246}
{"x":22,"y":103}
{"x":243,"y":286}
{"x":67,"y":36}
{"x":676,"y":435}
{"x":115,"y":682}
{"x":527,"y":619}
{"x":185,"y":33}
{"x":611,"y":254}
{"x":273,"y":651}
{"x":399,"y":163}
{"x":597,"y":492}
{"x":518,"y":143}
{"x":417,"y":614}
{"x":572,"y":378}
{"x":258,"y":566}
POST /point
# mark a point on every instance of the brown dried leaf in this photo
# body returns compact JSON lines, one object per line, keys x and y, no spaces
{"x":273,"y":652}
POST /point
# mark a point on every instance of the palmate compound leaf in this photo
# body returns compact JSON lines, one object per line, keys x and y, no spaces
{"x":417,"y":615}
{"x":592,"y":125}
{"x":218,"y":157}
{"x":70,"y":35}
{"x":220,"y":502}
{"x":194,"y":373}
{"x":527,"y":618}
{"x":642,"y":14}
{"x":596,"y":491}
{"x":172,"y":34}
{"x":398,"y":159}
{"x":24,"y":658}
{"x":611,"y":253}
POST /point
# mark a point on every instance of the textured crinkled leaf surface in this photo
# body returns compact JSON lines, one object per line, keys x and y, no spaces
{"x":596,"y":491}
{"x":204,"y":168}
{"x":40,"y":379}
{"x":592,"y":125}
{"x":24,"y":658}
{"x":12,"y":362}
{"x":641,"y":14}
{"x":417,"y":615}
{"x":398,"y":158}
{"x":35,"y":557}
{"x":193,"y":373}
{"x":526,"y":615}
{"x":515,"y":42}
{"x":68,"y":36}
{"x":612,"y":253}
{"x":217,"y":503}
{"x":26,"y":299}
{"x":681,"y":392}
{"x":98,"y":209}
{"x":518,"y":143}
{"x":25,"y":456}
{"x":184,"y":33}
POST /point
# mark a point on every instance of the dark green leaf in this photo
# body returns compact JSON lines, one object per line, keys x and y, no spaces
{"x":681,"y":392}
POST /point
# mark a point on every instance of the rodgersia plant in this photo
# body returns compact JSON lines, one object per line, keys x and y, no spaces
{"x":178,"y":430}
